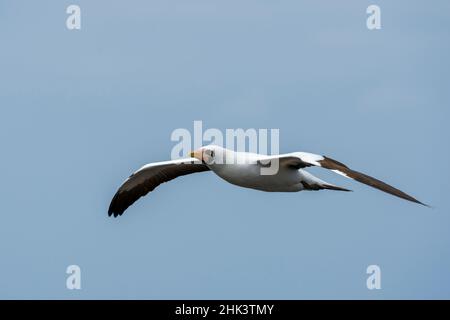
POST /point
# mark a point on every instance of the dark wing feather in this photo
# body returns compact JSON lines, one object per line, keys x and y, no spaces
{"x":147,"y":179}
{"x":331,"y":164}
{"x":300,"y":160}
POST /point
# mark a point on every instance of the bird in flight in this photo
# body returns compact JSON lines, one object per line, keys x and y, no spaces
{"x":246,"y":170}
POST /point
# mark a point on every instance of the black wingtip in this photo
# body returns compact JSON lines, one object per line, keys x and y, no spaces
{"x":425,"y":205}
{"x":412,"y":199}
{"x":114,"y":209}
{"x":115,"y":212}
{"x":111,"y":208}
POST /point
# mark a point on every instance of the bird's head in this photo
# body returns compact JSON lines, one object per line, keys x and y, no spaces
{"x":210,"y":154}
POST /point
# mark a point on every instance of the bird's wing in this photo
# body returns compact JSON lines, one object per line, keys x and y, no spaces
{"x":148,"y":178}
{"x":298,"y":160}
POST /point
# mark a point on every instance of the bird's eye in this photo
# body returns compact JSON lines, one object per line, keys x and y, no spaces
{"x":211,"y":153}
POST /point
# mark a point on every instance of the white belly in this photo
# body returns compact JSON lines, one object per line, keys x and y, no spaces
{"x":249,"y":176}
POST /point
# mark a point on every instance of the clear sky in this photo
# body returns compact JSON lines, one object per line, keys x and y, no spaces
{"x":80,"y":110}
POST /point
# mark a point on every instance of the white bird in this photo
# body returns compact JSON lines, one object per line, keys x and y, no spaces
{"x":283,"y":173}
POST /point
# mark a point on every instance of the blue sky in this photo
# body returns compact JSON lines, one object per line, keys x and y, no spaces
{"x":80,"y":110}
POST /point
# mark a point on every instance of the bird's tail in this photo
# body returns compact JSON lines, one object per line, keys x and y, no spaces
{"x":333,"y":187}
{"x":311,"y":182}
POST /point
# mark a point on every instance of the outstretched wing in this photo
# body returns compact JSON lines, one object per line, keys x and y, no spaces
{"x":298,"y":160}
{"x":148,"y":178}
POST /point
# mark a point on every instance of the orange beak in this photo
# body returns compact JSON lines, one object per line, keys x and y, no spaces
{"x":196,"y":154}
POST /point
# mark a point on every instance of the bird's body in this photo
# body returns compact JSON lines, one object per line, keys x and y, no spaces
{"x":281,"y":173}
{"x":248,"y":176}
